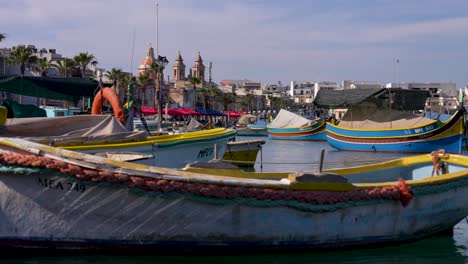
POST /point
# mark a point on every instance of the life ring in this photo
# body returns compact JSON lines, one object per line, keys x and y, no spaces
{"x":108,"y":94}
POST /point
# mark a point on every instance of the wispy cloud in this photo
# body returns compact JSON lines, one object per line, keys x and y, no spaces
{"x":262,"y":40}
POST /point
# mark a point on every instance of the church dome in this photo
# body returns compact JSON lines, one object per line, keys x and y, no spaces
{"x":148,"y":60}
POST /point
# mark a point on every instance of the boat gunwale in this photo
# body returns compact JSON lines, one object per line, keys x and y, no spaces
{"x":176,"y":139}
{"x":320,"y":123}
{"x":442,"y":126}
{"x":94,"y":162}
{"x":396,"y":129}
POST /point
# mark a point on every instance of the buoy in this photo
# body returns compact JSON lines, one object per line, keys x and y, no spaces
{"x":108,"y":94}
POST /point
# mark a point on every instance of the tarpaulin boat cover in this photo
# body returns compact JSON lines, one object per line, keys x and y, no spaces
{"x":193,"y":125}
{"x":70,"y":130}
{"x":401,"y":99}
{"x":370,"y":116}
{"x":48,"y":87}
{"x":288,"y":119}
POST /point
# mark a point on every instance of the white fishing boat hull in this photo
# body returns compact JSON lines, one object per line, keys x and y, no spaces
{"x":174,"y":156}
{"x":46,"y":203}
{"x":39,"y":210}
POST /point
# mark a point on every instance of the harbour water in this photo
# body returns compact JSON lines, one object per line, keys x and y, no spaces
{"x":301,"y":156}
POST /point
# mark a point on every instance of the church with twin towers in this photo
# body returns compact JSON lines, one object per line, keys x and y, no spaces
{"x":178,"y":69}
{"x":180,"y":77}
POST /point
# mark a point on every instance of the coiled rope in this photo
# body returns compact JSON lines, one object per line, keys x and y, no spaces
{"x":398,"y":192}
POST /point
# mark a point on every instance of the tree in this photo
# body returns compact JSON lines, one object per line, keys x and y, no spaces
{"x":204,"y":93}
{"x":43,"y":66}
{"x":194,"y":81}
{"x":82,"y":60}
{"x":2,"y":36}
{"x":155,"y":69}
{"x":65,"y":66}
{"x":214,"y":93}
{"x":22,"y":56}
{"x":116,"y":76}
{"x":249,"y":99}
{"x":226,"y":100}
{"x":124,"y":83}
{"x":143,"y":81}
{"x":244,"y":104}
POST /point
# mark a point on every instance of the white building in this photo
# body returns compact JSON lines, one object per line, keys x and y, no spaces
{"x":302,"y":93}
{"x":347,"y":84}
{"x":325,"y":85}
{"x":443,"y":97}
{"x":49,"y":54}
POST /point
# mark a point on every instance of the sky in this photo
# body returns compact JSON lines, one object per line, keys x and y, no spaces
{"x":264,"y":40}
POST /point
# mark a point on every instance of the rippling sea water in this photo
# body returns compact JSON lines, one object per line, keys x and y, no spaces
{"x":280,"y":155}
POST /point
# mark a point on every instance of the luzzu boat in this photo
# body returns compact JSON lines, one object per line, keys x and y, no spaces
{"x":55,"y":198}
{"x":243,"y":153}
{"x":290,"y":126}
{"x":171,"y":151}
{"x":105,"y":136}
{"x":368,"y":126}
{"x":253,"y":131}
{"x":250,"y":125}
{"x":419,"y":139}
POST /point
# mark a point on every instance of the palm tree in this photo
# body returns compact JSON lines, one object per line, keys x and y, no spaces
{"x":43,"y":66}
{"x":2,"y":36}
{"x":115,"y":75}
{"x":154,"y":75}
{"x":226,"y":100}
{"x":83,"y":59}
{"x":249,"y":99}
{"x":65,"y":66}
{"x":124,"y":83}
{"x":204,"y":93}
{"x":213,"y":94}
{"x":22,"y":56}
{"x":244,"y":104}
{"x":194,"y":81}
{"x":143,"y":81}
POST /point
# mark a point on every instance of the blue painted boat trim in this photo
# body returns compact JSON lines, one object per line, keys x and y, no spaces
{"x":451,"y":144}
{"x":316,"y":136}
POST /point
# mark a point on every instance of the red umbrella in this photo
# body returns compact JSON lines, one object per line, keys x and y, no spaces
{"x":173,"y":112}
{"x":231,"y":113}
{"x":190,"y":111}
{"x":149,"y":110}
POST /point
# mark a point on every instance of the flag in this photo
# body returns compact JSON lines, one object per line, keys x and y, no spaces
{"x":129,"y":104}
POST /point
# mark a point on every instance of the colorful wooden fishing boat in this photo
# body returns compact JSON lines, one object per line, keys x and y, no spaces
{"x":103,"y":135}
{"x":289,"y":126}
{"x":418,"y":139}
{"x":170,"y":151}
{"x":253,"y":131}
{"x":58,"y":199}
{"x":244,"y":152}
{"x":367,"y":126}
{"x":315,"y":131}
{"x":251,"y":125}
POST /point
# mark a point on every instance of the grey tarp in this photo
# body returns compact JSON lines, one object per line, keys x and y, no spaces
{"x":401,"y":99}
{"x":370,"y":116}
{"x":70,"y":130}
{"x":48,"y":87}
{"x":193,"y":125}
